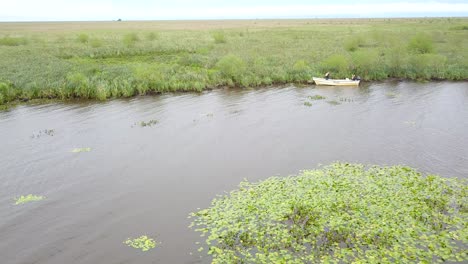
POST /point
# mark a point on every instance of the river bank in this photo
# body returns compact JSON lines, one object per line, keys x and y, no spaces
{"x":101,"y":60}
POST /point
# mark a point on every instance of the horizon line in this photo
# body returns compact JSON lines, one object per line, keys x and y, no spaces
{"x":231,"y":19}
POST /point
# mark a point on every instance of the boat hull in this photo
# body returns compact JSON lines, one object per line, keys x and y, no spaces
{"x":335,"y":82}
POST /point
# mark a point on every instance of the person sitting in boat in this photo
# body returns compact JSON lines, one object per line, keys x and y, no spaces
{"x":327,"y":75}
{"x":355,"y":78}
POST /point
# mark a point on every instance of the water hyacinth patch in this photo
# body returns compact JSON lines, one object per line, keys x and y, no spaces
{"x":342,"y":213}
{"x":78,"y":150}
{"x":28,"y":198}
{"x":143,"y":242}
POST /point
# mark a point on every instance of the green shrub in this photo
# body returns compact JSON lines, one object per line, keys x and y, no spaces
{"x":193,"y":60}
{"x":421,"y":44}
{"x":427,"y":66}
{"x":336,"y":62}
{"x":300,"y":71}
{"x":219,"y":37}
{"x":13,"y":41}
{"x":83,"y":38}
{"x":130,"y":39}
{"x":79,"y":84}
{"x":232,"y":67}
{"x":366,"y":64}
{"x":102,"y":91}
{"x":353,"y":43}
{"x":342,"y":213}
{"x":7,"y":92}
{"x":95,"y":43}
{"x":151,"y":36}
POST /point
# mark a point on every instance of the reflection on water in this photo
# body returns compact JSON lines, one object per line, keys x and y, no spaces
{"x":145,"y":180}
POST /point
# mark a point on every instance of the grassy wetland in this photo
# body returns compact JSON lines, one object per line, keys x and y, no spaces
{"x":101,"y":60}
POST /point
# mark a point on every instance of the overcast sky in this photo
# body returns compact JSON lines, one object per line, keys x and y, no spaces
{"x":78,"y":10}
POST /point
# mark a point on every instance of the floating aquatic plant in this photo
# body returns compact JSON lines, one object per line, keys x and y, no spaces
{"x":316,"y":97}
{"x":147,"y":124}
{"x":78,"y":150}
{"x":144,"y":243}
{"x":307,"y":103}
{"x":48,"y":132}
{"x":345,"y":99}
{"x":28,"y":198}
{"x":342,"y":213}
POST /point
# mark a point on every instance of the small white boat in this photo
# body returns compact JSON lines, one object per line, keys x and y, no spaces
{"x":335,"y":82}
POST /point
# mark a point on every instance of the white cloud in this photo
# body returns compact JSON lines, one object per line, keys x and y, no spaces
{"x":108,"y":10}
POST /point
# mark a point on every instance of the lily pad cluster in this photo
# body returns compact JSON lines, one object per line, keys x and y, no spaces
{"x":342,"y":213}
{"x":144,"y":243}
{"x":28,"y":198}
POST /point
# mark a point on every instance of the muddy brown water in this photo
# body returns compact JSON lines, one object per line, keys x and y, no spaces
{"x":146,"y":180}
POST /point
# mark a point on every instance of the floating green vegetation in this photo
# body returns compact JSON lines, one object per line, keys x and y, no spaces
{"x":28,"y":198}
{"x":333,"y":102}
{"x":316,"y":97}
{"x":48,"y":132}
{"x":78,"y":150}
{"x":143,"y":242}
{"x":307,"y":103}
{"x":342,"y":213}
{"x":346,"y":99}
{"x":149,"y":123}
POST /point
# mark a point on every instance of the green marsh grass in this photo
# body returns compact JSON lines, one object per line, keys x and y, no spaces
{"x":110,"y":59}
{"x":341,"y":213}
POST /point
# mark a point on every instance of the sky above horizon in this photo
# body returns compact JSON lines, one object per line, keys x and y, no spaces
{"x":96,"y":10}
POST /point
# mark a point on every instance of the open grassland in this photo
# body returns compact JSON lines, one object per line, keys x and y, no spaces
{"x":100,"y":60}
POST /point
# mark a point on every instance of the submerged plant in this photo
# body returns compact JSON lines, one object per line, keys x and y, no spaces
{"x":28,"y":198}
{"x":342,"y":213}
{"x":391,"y":94}
{"x":78,"y":150}
{"x":144,"y":243}
{"x":333,"y":102}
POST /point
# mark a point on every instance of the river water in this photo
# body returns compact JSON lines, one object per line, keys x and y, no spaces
{"x":146,"y":180}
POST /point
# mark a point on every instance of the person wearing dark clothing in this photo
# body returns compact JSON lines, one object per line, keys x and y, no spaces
{"x":355,"y":78}
{"x":327,"y":75}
